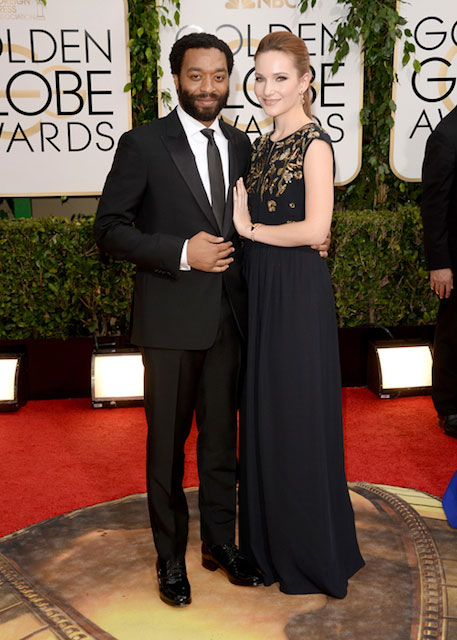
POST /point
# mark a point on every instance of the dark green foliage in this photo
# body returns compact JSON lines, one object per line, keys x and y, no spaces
{"x":55,"y":283}
{"x":378,"y":270}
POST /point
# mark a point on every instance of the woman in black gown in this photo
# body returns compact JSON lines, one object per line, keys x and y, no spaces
{"x":296,"y":518}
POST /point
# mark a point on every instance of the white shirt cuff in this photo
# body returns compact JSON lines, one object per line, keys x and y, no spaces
{"x":184,"y":265}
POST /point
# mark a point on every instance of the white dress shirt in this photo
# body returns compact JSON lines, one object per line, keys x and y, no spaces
{"x":199,"y":144}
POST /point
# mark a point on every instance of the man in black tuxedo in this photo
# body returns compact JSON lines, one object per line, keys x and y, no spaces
{"x":189,"y":303}
{"x":439,"y":215}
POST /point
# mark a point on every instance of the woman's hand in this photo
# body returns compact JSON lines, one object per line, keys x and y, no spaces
{"x":241,"y":217}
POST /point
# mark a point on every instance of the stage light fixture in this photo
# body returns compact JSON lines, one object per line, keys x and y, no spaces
{"x":12,"y":381}
{"x":400,"y":368}
{"x":117,"y":378}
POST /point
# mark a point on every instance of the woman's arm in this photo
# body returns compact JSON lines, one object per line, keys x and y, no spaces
{"x":318,"y":177}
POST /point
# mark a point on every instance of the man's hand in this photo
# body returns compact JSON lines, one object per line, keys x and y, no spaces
{"x":323,"y":248}
{"x":209,"y":253}
{"x":441,"y":282}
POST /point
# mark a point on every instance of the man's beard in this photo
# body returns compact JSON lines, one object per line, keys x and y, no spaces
{"x":207,"y":114}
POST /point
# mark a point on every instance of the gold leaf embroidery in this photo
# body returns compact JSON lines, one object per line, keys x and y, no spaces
{"x":273,"y":168}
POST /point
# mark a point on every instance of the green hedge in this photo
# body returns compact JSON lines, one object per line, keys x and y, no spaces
{"x":55,"y":284}
{"x":378,"y":269}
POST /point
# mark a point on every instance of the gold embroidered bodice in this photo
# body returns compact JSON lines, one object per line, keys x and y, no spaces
{"x":275,"y":181}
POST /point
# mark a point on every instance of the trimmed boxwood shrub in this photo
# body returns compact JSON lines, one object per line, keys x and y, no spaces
{"x":55,"y":283}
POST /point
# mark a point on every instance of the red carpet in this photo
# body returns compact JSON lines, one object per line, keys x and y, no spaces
{"x":59,"y":455}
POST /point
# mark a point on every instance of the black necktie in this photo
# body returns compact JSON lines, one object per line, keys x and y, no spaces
{"x":216,"y":177}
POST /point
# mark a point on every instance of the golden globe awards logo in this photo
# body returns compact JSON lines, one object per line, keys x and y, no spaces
{"x":51,"y":94}
{"x":63,"y":68}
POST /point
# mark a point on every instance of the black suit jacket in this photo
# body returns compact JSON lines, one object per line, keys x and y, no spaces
{"x":152,"y":201}
{"x":439,"y":195}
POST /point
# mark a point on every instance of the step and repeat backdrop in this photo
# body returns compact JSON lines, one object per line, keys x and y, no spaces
{"x":64,"y":65}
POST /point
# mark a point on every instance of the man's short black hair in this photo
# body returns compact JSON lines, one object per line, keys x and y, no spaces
{"x":198,"y":41}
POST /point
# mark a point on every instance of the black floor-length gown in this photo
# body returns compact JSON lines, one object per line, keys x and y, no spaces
{"x":296,"y":518}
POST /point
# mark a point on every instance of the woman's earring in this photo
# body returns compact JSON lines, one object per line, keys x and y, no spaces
{"x":302,"y":97}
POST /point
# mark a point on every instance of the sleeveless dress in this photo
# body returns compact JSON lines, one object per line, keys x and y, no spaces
{"x":296,"y":518}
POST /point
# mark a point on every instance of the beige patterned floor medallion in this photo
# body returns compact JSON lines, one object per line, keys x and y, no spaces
{"x":90,"y":575}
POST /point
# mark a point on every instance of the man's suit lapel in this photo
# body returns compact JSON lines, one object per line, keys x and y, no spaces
{"x":176,"y":142}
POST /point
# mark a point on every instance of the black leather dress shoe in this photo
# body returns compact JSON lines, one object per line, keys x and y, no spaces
{"x":174,"y":587}
{"x":227,"y":557}
{"x":449,"y":424}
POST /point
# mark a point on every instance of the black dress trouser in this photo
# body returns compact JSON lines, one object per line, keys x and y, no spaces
{"x":444,"y":389}
{"x":177,"y":383}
